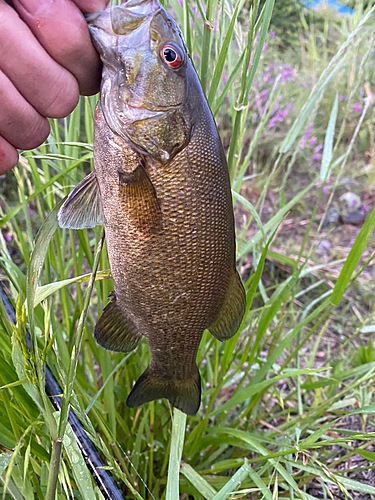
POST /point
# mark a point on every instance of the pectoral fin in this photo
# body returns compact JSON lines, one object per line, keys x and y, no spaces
{"x":114,"y":331}
{"x":139,"y":200}
{"x":231,"y":313}
{"x":83,"y":208}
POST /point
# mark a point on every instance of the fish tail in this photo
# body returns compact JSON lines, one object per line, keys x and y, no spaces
{"x":182,"y":394}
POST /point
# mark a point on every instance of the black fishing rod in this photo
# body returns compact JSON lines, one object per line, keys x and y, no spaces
{"x":90,"y":454}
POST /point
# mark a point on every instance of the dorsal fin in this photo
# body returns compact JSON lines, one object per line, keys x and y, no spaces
{"x":227,"y":322}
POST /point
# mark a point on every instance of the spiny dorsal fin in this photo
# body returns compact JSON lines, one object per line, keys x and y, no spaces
{"x":231,"y":313}
{"x":138,"y":197}
{"x":83,"y":208}
{"x":114,"y":331}
{"x":182,"y":394}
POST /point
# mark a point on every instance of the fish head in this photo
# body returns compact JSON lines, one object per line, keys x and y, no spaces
{"x":145,"y":82}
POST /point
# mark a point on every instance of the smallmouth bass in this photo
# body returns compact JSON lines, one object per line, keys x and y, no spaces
{"x":161,"y":187}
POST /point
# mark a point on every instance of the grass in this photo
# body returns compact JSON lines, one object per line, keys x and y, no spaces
{"x":288,"y":403}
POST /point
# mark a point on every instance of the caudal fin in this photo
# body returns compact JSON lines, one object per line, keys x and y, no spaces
{"x":182,"y":394}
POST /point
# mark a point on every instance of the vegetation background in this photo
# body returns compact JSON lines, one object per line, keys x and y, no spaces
{"x":288,"y":403}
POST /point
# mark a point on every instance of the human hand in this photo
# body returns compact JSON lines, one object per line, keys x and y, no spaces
{"x":46,"y":60}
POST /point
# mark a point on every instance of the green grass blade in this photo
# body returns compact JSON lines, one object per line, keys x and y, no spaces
{"x":42,"y":292}
{"x":268,"y":9}
{"x":80,"y":471}
{"x":177,"y":444}
{"x":42,"y":189}
{"x":307,"y":109}
{"x":250,"y":391}
{"x":222,"y":57}
{"x":265,"y":492}
{"x":353,"y":258}
{"x":199,"y":482}
{"x":233,"y":482}
{"x":249,"y":206}
{"x":273,"y":223}
{"x":328,"y":143}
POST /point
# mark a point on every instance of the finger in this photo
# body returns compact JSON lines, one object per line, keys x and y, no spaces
{"x":62,"y":30}
{"x":8,"y":156}
{"x":20,"y":123}
{"x":91,"y":5}
{"x":46,"y":85}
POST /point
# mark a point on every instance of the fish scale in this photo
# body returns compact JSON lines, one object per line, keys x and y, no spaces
{"x":161,"y":188}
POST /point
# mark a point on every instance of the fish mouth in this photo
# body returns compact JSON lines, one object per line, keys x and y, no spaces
{"x":122,"y":19}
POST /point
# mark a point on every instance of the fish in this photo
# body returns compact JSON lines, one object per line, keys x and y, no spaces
{"x":160,"y":186}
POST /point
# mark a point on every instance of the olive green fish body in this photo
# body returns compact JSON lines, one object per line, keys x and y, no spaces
{"x":162,"y":189}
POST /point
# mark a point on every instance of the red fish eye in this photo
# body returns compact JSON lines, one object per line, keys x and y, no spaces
{"x":171,"y":56}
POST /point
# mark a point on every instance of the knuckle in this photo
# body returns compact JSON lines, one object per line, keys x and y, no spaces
{"x":63,"y":97}
{"x":35,"y":135}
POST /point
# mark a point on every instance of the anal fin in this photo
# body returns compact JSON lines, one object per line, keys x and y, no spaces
{"x":231,"y":313}
{"x":114,"y":331}
{"x":83,"y":207}
{"x":183,"y":394}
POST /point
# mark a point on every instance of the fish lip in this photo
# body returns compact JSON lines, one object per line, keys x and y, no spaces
{"x":146,"y":9}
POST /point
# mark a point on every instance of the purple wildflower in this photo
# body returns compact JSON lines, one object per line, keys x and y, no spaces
{"x":272,"y":35}
{"x":272,"y":122}
{"x":275,"y":108}
{"x":287,"y":109}
{"x":265,"y":47}
{"x":316,"y":157}
{"x":318,"y":148}
{"x":308,"y":131}
{"x":8,"y":237}
{"x":341,"y":98}
{"x":313,"y":141}
{"x":280,"y":115}
{"x":286,"y":74}
{"x":264,"y":95}
{"x":357,"y":108}
{"x":364,"y":208}
{"x":306,"y":136}
{"x":325,"y":189}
